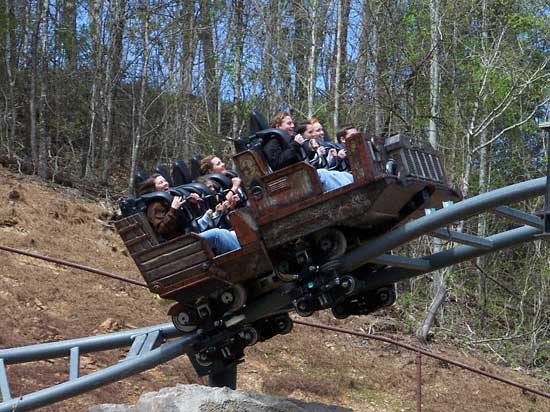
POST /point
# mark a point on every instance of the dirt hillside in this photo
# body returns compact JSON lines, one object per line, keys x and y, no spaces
{"x":41,"y":302}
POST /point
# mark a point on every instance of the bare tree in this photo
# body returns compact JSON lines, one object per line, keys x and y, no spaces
{"x":11,"y":68}
{"x":439,"y":286}
{"x":136,"y":141}
{"x":112,"y":77}
{"x":97,"y":51}
{"x":43,"y":143}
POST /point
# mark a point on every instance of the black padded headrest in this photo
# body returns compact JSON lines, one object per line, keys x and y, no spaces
{"x":222,"y":180}
{"x":139,"y":178}
{"x":257,"y":122}
{"x":196,"y":166}
{"x":281,"y":135}
{"x":194,"y":187}
{"x":180,"y":173}
{"x":231,"y":174}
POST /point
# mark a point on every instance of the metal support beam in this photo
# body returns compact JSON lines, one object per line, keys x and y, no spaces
{"x":508,"y":239}
{"x":402,"y":262}
{"x":426,"y":224}
{"x":136,"y":346}
{"x":519,"y":217}
{"x":97,"y":343}
{"x":103,"y":377}
{"x":74,"y":362}
{"x":464,"y":238}
{"x":4,"y":387}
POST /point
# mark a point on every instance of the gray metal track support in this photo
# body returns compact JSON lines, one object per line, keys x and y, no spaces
{"x":441,"y":218}
{"x":145,"y":359}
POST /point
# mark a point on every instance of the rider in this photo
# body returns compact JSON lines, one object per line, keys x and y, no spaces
{"x":167,"y":222}
{"x":280,"y":154}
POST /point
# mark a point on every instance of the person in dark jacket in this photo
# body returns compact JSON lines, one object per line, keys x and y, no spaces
{"x":284,"y":153}
{"x":169,"y":223}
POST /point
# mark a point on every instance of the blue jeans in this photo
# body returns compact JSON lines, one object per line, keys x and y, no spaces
{"x":331,"y":179}
{"x":221,"y":240}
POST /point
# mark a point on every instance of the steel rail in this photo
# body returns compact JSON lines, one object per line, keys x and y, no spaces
{"x":442,"y":217}
{"x":114,"y":373}
{"x":63,"y":262}
{"x":449,"y":257}
{"x":426,"y":353}
{"x":60,"y":349}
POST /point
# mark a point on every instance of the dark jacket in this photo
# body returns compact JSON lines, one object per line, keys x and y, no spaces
{"x":165,"y":220}
{"x":281,"y":154}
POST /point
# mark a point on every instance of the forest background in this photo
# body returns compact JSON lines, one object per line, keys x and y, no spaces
{"x":98,"y":89}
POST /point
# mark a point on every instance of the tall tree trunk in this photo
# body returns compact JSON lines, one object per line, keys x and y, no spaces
{"x":34,"y":80}
{"x":378,"y":71}
{"x":68,"y":34}
{"x":97,"y":58}
{"x":189,"y":45}
{"x":112,"y":78}
{"x":211,"y":83}
{"x":43,"y":144}
{"x":338,"y":65}
{"x":10,"y":72}
{"x":238,"y":11}
{"x":298,"y":47}
{"x":439,"y":286}
{"x":482,"y":226}
{"x":312,"y":60}
{"x":136,"y":143}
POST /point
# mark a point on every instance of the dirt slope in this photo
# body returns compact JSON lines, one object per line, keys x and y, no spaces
{"x":41,"y":302}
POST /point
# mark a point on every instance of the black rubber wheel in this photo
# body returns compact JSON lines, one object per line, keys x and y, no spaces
{"x":182,"y":322}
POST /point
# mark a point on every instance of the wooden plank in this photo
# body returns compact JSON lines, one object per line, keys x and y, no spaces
{"x":176,"y":266}
{"x":137,"y":240}
{"x":192,"y":274}
{"x":172,"y":244}
{"x":123,"y":230}
{"x":165,"y":257}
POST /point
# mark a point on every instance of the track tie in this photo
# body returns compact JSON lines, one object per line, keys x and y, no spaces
{"x":136,"y":346}
{"x":463,"y":238}
{"x":520,"y":217}
{"x":4,"y":387}
{"x":74,"y":363}
{"x":402,"y":262}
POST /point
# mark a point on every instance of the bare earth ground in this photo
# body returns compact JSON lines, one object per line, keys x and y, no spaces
{"x":41,"y":302}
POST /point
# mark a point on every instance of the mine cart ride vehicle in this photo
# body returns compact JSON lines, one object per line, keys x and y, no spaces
{"x":289,"y":232}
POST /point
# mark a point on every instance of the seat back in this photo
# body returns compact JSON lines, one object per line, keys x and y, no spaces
{"x":139,"y":178}
{"x":180,"y":173}
{"x":257,"y":122}
{"x":196,"y":166}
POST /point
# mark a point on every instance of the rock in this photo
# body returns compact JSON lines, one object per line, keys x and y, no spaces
{"x":196,"y":398}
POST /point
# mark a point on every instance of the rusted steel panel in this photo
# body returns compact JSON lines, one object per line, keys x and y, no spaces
{"x":250,"y":166}
{"x":285,"y":187}
{"x":245,"y":226}
{"x":332,"y":212}
{"x":246,"y":263}
{"x":361,"y":162}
